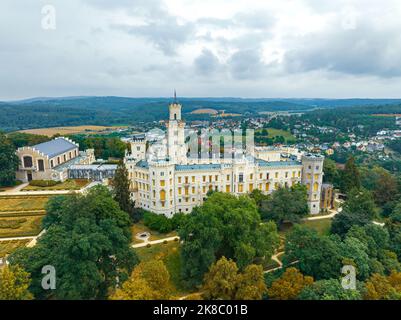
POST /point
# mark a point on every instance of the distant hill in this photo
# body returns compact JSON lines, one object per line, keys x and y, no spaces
{"x":73,"y":111}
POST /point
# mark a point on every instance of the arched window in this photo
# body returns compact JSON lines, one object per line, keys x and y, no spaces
{"x":315,"y":186}
{"x":162,"y":195}
{"x":175,"y":116}
{"x":28,"y":162}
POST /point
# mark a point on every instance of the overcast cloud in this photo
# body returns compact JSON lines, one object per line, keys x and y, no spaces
{"x":241,"y":48}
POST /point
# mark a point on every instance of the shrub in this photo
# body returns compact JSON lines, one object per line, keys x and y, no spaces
{"x":157,"y":222}
{"x":43,"y":183}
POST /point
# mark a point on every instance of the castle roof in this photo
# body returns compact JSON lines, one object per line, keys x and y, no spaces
{"x":55,"y":147}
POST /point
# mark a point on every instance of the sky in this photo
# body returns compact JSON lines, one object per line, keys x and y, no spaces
{"x":201,"y":48}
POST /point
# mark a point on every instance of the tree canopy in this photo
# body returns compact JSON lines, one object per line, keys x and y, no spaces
{"x":87,"y":240}
{"x":225,"y":225}
{"x":8,"y":161}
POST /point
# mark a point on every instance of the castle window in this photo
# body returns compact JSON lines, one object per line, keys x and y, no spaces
{"x":315,"y":186}
{"x":261,"y":176}
{"x":179,"y":179}
{"x":240,"y":188}
{"x":241,"y":177}
{"x":267,"y":176}
{"x":250,"y":187}
{"x":186,"y":179}
{"x":316,"y":176}
{"x":175,"y":116}
{"x":276,"y":175}
{"x":228,"y":177}
{"x":162,"y":195}
{"x":65,"y":158}
{"x":179,"y":190}
{"x":251,"y":176}
{"x":204,"y":178}
{"x":193,"y":189}
{"x":228,"y":188}
{"x":51,"y":163}
{"x":28,"y":162}
{"x":193,"y":179}
{"x":162,"y":183}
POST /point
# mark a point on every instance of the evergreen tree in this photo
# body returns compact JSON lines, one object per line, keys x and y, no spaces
{"x":350,"y":176}
{"x":122,"y":193}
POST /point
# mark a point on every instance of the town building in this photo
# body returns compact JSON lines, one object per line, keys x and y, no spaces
{"x":51,"y":160}
{"x":166,"y":180}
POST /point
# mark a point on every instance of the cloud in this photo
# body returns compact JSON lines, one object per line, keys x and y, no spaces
{"x":362,"y":50}
{"x":246,"y":64}
{"x":207,"y":63}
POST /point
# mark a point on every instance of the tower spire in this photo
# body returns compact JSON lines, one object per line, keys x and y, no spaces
{"x":175,"y":96}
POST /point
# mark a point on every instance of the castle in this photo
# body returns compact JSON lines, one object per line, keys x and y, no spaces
{"x":164,"y":179}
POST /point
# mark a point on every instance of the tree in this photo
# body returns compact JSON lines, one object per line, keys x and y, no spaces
{"x":88,"y":243}
{"x":358,"y":210}
{"x":149,"y":281}
{"x":221,"y":280}
{"x":331,"y":173}
{"x":382,"y":183}
{"x":122,"y":195}
{"x":8,"y":161}
{"x":225,"y":225}
{"x":286,"y":204}
{"x":224,"y":281}
{"x":14,"y":283}
{"x":350,"y":177}
{"x":330,"y":289}
{"x":379,"y":287}
{"x":317,"y":256}
{"x":251,"y":284}
{"x":289,"y":285}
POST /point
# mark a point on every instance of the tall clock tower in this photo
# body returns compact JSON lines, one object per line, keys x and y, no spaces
{"x":177,"y":150}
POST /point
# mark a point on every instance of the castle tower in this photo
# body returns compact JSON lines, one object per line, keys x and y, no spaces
{"x":138,"y":148}
{"x":175,"y":134}
{"x":312,"y":177}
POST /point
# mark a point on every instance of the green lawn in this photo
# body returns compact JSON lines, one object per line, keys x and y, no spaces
{"x":70,"y":184}
{"x":23,"y":203}
{"x":154,"y":235}
{"x":289,"y":138}
{"x":322,"y":226}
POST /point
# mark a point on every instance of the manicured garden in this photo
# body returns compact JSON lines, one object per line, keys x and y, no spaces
{"x":22,"y":203}
{"x":139,"y":227}
{"x":70,"y":184}
{"x":20,"y":226}
{"x":7,"y":247}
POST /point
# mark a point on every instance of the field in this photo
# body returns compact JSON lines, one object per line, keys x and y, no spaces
{"x":154,"y":235}
{"x":70,"y":130}
{"x":205,"y":111}
{"x":169,"y":253}
{"x":277,"y":132}
{"x":71,"y":184}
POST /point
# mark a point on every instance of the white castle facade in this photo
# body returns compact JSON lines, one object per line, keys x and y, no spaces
{"x":166,"y":180}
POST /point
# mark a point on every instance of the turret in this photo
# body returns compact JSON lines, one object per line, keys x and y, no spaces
{"x":312,"y":177}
